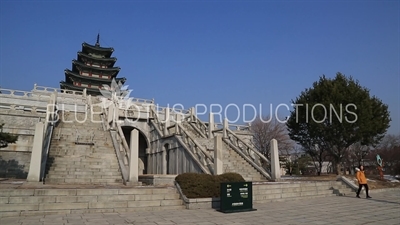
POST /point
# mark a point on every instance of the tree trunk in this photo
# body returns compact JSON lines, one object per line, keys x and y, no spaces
{"x":320,"y":168}
{"x":338,"y":167}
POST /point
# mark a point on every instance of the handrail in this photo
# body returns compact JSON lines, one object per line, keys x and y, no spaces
{"x":238,"y":139}
{"x":45,"y":149}
{"x":156,"y":120}
{"x":48,"y":134}
{"x":124,"y":143}
{"x":246,"y":150}
{"x":230,"y":126}
{"x":124,"y":168}
{"x":114,"y":138}
{"x":23,"y":94}
{"x":202,"y":155}
{"x":156,"y":128}
{"x":199,"y":126}
{"x":37,"y":88}
{"x":190,"y":144}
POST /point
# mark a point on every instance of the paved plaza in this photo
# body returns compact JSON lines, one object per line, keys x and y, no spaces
{"x":383,"y":208}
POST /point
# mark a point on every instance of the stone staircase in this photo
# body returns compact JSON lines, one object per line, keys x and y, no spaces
{"x":341,"y":189}
{"x":232,"y":161}
{"x":20,"y":202}
{"x":81,"y":153}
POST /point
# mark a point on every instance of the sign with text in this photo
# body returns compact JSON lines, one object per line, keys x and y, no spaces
{"x":236,"y":197}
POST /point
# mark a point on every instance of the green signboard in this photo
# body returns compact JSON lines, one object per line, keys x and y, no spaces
{"x":236,"y":197}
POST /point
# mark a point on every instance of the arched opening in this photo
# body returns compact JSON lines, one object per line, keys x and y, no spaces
{"x":166,"y":160}
{"x":142,"y":148}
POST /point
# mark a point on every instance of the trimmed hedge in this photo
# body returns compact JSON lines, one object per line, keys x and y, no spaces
{"x":199,"y":185}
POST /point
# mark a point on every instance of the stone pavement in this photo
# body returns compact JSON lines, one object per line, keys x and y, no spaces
{"x":383,"y":208}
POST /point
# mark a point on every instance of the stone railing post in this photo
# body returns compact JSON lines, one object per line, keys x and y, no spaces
{"x":193,"y":114}
{"x":225,"y":127}
{"x":164,"y":161}
{"x":36,"y":155}
{"x":275,"y":164}
{"x":177,"y":122}
{"x":110,"y":116}
{"x":210,"y":125}
{"x":166,"y":120}
{"x":133,"y":157}
{"x":218,"y":155}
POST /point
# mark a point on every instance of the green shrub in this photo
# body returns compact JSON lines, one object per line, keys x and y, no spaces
{"x":198,"y":185}
{"x":231,"y":177}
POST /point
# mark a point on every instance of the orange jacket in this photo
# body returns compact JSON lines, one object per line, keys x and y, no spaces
{"x":361,"y":177}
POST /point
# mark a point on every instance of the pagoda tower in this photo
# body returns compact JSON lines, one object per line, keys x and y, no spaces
{"x":93,"y":68}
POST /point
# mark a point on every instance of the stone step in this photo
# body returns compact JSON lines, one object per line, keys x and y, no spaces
{"x":81,"y":170}
{"x":87,"y":180}
{"x":80,"y":164}
{"x":17,"y":202}
{"x":56,"y":150}
{"x":110,"y":165}
{"x":72,"y":135}
{"x":233,"y":162}
{"x":105,"y":173}
{"x":124,"y":191}
{"x":83,"y":176}
{"x":108,"y":157}
{"x":72,"y":167}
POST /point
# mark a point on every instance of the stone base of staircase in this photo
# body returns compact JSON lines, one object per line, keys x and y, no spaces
{"x":157,"y":179}
{"x":37,"y":199}
{"x":285,"y":191}
{"x":44,"y":199}
{"x":264,"y":192}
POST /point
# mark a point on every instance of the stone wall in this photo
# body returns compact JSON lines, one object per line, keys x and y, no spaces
{"x":167,"y":154}
{"x":15,"y":158}
{"x":14,"y":164}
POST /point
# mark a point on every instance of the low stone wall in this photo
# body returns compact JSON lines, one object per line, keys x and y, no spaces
{"x":203,"y":203}
{"x":157,"y":179}
{"x":198,"y":203}
{"x":14,"y":164}
{"x":270,"y":192}
{"x":15,"y":158}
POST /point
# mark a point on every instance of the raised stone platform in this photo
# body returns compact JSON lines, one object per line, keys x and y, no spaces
{"x":264,"y":192}
{"x":157,"y":179}
{"x":19,"y":198}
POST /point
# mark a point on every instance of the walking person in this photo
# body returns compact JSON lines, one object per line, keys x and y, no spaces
{"x":362,"y":181}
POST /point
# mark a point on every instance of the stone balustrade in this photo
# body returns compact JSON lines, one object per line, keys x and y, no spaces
{"x":37,"y":88}
{"x":233,"y":127}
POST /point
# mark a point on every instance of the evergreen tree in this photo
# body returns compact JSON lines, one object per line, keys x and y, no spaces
{"x":6,"y":138}
{"x":335,"y":114}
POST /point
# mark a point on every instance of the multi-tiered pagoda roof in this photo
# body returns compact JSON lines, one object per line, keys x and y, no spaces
{"x":93,"y":68}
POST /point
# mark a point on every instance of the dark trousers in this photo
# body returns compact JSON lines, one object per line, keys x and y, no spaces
{"x":359,"y":189}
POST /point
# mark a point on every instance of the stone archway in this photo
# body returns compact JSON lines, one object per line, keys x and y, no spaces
{"x":143,"y":145}
{"x":166,"y":149}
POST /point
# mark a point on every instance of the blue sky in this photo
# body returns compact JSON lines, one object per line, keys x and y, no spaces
{"x":209,"y":52}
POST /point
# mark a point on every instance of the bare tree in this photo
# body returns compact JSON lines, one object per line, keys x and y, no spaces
{"x":358,"y":152}
{"x":318,"y":154}
{"x":266,"y":129}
